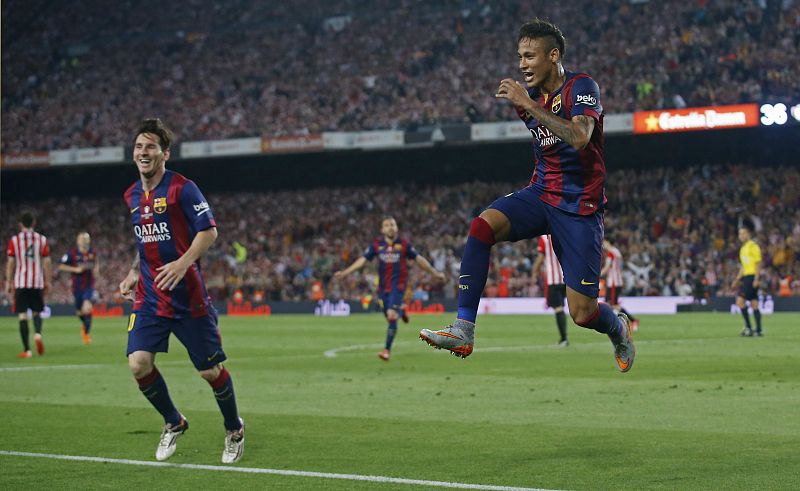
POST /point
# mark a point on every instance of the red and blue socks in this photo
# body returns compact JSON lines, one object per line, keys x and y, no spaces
{"x":87,"y":322}
{"x":226,"y":400}
{"x":605,"y":321}
{"x":155,"y":390}
{"x":474,"y":268}
{"x":391,"y":331}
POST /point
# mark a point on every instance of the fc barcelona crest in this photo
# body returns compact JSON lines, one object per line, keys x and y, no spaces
{"x":160,"y":205}
{"x":556,"y":104}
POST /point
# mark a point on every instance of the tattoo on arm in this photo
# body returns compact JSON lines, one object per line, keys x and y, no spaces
{"x":576,"y":132}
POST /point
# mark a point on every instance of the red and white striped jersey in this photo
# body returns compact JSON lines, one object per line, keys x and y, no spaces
{"x":553,"y":272}
{"x":28,"y":249}
{"x":614,"y":273}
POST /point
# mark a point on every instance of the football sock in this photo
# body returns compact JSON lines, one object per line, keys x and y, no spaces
{"x":630,"y":316}
{"x":226,"y":400}
{"x":24,"y":333}
{"x":155,"y":390}
{"x":757,"y":315}
{"x":390,"y":333}
{"x":87,"y":322}
{"x":37,"y":324}
{"x":747,"y":317}
{"x":603,"y":320}
{"x":561,"y":320}
{"x":474,"y":268}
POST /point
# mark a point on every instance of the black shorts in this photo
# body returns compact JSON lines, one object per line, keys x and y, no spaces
{"x":748,"y":291}
{"x":612,"y":295}
{"x":556,"y":295}
{"x":28,"y":298}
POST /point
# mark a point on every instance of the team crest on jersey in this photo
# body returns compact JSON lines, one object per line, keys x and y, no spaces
{"x":160,"y":205}
{"x":398,"y":247}
{"x":556,"y":104}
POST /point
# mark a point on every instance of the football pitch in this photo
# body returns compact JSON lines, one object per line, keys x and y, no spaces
{"x":702,"y":408}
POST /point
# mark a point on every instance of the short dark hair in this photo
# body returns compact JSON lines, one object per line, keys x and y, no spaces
{"x":748,"y":225}
{"x":387,"y":217}
{"x":538,"y":28}
{"x":156,"y":127}
{"x":27,"y":219}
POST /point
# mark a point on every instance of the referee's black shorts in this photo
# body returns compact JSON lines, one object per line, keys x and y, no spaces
{"x":556,"y":295}
{"x":748,"y":291}
{"x":28,"y":298}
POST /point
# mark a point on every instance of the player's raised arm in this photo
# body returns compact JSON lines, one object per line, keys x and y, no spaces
{"x":357,"y":264}
{"x":577,"y":131}
{"x":430,"y":269}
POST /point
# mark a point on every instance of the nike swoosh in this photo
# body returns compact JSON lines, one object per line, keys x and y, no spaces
{"x":204,"y":211}
{"x":134,"y":209}
{"x":463,"y":276}
{"x":584,"y":282}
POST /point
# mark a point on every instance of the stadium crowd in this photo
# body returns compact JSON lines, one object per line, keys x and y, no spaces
{"x":677,"y":229}
{"x":246,"y":68}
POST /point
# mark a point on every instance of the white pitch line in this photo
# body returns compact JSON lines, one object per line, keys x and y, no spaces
{"x":48,"y":367}
{"x":333,"y":353}
{"x":279,"y":472}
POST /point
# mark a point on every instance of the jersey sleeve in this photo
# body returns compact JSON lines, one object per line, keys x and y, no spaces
{"x":586,"y":99}
{"x":45,"y":249}
{"x":756,"y":253}
{"x":411,"y":253}
{"x":540,"y":246}
{"x":196,"y":208}
{"x":66,"y":259}
{"x":10,"y":250}
{"x":369,"y":252}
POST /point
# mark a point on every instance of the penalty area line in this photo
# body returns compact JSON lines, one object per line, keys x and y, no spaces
{"x":279,"y":472}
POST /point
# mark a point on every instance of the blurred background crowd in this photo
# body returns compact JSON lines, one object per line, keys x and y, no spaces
{"x":81,"y":77}
{"x":676,"y":227}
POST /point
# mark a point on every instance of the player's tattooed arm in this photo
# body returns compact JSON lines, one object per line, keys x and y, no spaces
{"x":577,"y":132}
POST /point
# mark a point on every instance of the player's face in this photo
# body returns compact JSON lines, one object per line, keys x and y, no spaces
{"x":389,"y":228}
{"x":536,"y":60}
{"x":148,"y":155}
{"x":744,"y":235}
{"x":83,"y":241}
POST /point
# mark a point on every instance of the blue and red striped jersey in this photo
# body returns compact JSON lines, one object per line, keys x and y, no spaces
{"x":565,"y":177}
{"x":165,"y":221}
{"x":392,"y":262}
{"x":74,"y":257}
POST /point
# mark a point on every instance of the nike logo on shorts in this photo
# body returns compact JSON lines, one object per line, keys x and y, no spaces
{"x":584,"y":282}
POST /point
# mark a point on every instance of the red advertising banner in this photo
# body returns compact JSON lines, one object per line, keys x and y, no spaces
{"x":696,"y":118}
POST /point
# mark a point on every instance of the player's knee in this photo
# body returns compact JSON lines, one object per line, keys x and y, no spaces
{"x":391,"y":315}
{"x":486,"y":228}
{"x":23,"y":316}
{"x":139,"y":367}
{"x":211,"y":374}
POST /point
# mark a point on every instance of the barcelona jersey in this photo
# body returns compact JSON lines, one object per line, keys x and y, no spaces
{"x":74,"y":257}
{"x":564,"y":176}
{"x":165,"y":220}
{"x":392,"y":262}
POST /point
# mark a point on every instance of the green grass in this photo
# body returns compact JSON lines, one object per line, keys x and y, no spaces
{"x":702,"y":407}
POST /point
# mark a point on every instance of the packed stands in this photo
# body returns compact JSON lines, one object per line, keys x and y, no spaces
{"x":82,"y":77}
{"x":676,"y":227}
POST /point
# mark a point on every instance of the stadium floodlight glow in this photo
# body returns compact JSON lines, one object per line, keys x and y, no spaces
{"x":774,"y":114}
{"x":795,"y":112}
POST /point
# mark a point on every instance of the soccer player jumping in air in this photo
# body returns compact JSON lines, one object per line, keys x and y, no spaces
{"x":173,"y":225}
{"x":565,"y":197}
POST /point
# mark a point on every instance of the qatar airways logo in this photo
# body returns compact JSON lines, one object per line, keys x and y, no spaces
{"x":152,"y":232}
{"x":545,"y":136}
{"x":389,"y":256}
